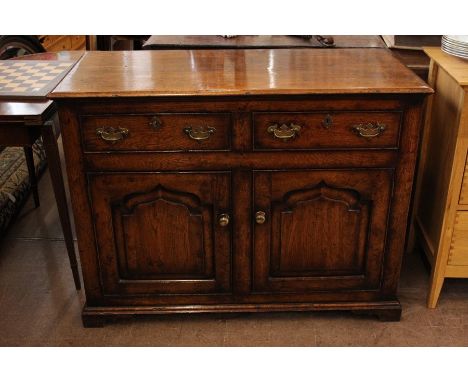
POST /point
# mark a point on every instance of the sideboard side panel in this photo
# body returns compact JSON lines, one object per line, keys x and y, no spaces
{"x":80,"y":202}
{"x":402,"y":192}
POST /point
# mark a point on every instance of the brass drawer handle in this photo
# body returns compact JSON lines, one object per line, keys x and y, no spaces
{"x":284,"y":131}
{"x":223,"y":220}
{"x":260,"y":217}
{"x":369,"y":130}
{"x":199,"y":133}
{"x":112,"y":134}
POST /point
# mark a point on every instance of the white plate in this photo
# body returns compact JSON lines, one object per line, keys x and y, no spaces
{"x":454,"y":42}
{"x":454,"y":53}
{"x":455,"y":49}
{"x":461,"y":39}
{"x":455,"y":45}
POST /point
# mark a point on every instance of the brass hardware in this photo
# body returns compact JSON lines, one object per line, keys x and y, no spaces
{"x":260,"y":217}
{"x":369,"y":130}
{"x":284,"y":131}
{"x":223,"y":220}
{"x":112,"y":134}
{"x":327,"y":121}
{"x":155,"y":122}
{"x":199,"y":133}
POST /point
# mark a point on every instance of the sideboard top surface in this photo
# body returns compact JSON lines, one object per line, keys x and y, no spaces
{"x":238,"y":72}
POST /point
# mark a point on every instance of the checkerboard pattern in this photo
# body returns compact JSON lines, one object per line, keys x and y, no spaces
{"x":31,"y":78}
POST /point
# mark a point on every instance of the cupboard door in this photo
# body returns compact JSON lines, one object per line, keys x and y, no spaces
{"x":162,"y":233}
{"x":320,"y":230}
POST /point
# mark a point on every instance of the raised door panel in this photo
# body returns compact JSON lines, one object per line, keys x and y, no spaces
{"x":337,"y":246}
{"x":176,"y":240}
{"x":324,"y":230}
{"x":157,"y":233}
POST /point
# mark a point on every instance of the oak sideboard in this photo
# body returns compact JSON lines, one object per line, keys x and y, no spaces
{"x":240,"y":180}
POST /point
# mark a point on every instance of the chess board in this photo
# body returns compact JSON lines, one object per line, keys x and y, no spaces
{"x":25,"y":79}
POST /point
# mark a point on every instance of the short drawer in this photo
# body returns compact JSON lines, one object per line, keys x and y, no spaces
{"x":323,"y":130}
{"x":156,"y":132}
{"x":464,"y":187}
{"x":458,"y":254}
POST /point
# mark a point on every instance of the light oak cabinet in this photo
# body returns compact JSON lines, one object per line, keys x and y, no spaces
{"x":224,"y":200}
{"x":441,"y":210}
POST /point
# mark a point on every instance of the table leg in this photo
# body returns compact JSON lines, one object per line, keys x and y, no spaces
{"x":28,"y":153}
{"x":53,"y":160}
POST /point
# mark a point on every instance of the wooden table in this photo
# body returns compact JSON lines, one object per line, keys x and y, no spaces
{"x":415,"y":60}
{"x":22,"y":122}
{"x":240,"y":180}
{"x":257,"y":42}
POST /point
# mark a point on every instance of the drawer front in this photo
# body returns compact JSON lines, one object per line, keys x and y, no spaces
{"x":322,"y":130}
{"x":464,"y":187}
{"x":458,"y":254}
{"x":156,"y":132}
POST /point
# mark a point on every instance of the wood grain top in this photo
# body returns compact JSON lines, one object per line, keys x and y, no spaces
{"x":455,"y":66}
{"x":258,"y":42}
{"x":238,"y":72}
{"x":64,"y":55}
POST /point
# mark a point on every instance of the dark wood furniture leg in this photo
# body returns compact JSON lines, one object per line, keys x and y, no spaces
{"x":93,"y":321}
{"x":28,"y":152}
{"x":53,"y":159}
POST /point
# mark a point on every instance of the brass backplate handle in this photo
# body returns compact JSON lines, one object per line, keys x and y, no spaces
{"x":369,"y":130}
{"x":260,"y":217}
{"x":284,"y":131}
{"x":112,"y":134}
{"x":199,"y":133}
{"x":223,"y":220}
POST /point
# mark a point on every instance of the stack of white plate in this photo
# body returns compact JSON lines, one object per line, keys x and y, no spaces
{"x":455,"y":45}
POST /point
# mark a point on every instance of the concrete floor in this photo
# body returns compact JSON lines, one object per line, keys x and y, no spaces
{"x":40,"y":307}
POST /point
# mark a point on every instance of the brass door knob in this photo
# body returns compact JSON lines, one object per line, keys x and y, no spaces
{"x":223,"y":220}
{"x":260,"y":217}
